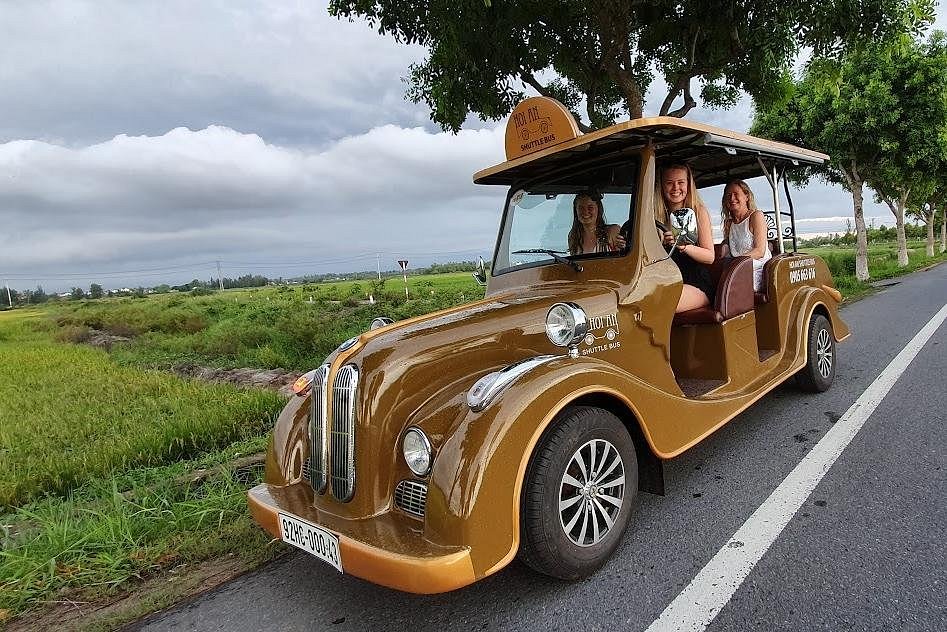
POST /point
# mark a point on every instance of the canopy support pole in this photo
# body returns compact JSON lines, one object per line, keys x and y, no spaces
{"x":773,"y":179}
{"x":792,"y":211}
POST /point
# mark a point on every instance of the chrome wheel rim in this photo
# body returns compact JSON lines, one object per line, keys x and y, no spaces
{"x":591,"y":492}
{"x":824,"y":351}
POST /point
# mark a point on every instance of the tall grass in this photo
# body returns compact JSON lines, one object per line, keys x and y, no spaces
{"x":882,"y":264}
{"x":68,"y":414}
{"x":288,"y":327}
{"x":122,"y":527}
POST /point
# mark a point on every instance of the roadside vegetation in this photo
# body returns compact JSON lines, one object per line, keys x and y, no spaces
{"x":882,"y":262}
{"x":94,"y":464}
{"x":290,"y":326}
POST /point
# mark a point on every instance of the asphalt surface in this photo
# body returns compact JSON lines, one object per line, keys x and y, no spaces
{"x":865,"y":552}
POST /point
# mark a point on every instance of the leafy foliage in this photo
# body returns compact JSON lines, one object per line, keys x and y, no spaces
{"x":603,"y":54}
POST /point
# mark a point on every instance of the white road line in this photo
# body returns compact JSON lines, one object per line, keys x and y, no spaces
{"x":710,"y":590}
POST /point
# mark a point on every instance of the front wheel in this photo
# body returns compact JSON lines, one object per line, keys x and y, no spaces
{"x":819,"y":372}
{"x":578,"y":493}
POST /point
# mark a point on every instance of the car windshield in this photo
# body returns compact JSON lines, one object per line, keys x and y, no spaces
{"x":538,"y":221}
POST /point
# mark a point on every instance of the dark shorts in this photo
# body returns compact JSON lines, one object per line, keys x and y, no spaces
{"x":694,"y":274}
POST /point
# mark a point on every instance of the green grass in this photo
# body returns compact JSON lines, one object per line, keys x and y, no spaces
{"x":129,"y":526}
{"x":94,"y":458}
{"x":288,"y":327}
{"x":882,"y":264}
{"x":70,"y":415}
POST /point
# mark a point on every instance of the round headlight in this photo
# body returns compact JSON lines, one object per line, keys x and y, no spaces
{"x":379,"y":322}
{"x":566,"y":324}
{"x":348,"y":344}
{"x":417,"y":451}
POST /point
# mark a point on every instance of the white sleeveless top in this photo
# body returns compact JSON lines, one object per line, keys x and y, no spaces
{"x":740,"y":241}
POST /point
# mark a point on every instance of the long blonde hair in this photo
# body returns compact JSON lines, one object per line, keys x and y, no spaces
{"x":725,"y":217}
{"x":692,"y":200}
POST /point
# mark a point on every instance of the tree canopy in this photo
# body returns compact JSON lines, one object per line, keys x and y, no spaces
{"x":880,"y":111}
{"x":602,"y":56}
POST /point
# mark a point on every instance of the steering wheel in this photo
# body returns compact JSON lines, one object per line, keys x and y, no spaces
{"x":664,"y":228}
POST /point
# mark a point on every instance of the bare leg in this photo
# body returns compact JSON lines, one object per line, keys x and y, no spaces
{"x":691,"y":298}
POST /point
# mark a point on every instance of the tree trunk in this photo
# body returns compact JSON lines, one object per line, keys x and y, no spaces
{"x":856,"y":185}
{"x":897,"y":209}
{"x":929,"y":220}
{"x":943,"y":229}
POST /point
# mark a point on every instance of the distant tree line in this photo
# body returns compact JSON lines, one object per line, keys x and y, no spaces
{"x":882,"y":234}
{"x":199,"y":287}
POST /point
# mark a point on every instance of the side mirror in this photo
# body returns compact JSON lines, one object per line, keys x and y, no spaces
{"x":481,"y":274}
{"x":684,"y":221}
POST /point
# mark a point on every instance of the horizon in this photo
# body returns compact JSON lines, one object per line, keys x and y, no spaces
{"x":207,"y":270}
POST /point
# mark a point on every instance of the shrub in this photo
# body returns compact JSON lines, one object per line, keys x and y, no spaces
{"x":74,"y":333}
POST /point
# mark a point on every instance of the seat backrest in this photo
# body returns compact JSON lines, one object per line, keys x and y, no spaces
{"x":734,"y":286}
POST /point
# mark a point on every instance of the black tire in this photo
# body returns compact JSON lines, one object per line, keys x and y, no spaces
{"x":819,"y":372}
{"x":579,"y":435}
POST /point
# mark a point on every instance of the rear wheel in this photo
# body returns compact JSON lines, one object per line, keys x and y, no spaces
{"x":819,"y":372}
{"x":578,"y":493}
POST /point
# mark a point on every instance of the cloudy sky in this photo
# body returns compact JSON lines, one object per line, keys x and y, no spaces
{"x":141,"y":142}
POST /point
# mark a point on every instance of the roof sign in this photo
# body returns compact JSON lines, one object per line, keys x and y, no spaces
{"x":538,"y":123}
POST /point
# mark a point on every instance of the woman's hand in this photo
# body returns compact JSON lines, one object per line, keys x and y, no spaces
{"x":668,"y":238}
{"x":618,"y":242}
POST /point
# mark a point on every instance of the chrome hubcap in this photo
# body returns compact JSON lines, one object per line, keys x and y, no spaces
{"x":591,"y":492}
{"x":824,"y":352}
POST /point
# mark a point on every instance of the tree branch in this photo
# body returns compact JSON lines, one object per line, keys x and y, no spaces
{"x":683,"y":84}
{"x":529,"y":79}
{"x":689,"y":102}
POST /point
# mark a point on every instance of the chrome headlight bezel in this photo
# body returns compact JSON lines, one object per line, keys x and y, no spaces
{"x":566,"y":324}
{"x":420,"y":447}
{"x":378,"y":323}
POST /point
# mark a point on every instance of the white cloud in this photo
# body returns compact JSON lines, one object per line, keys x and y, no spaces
{"x":232,"y":194}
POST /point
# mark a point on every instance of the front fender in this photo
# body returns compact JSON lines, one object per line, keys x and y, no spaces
{"x":474,"y":496}
{"x":288,"y":443}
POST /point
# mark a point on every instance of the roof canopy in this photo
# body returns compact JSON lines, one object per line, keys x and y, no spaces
{"x":716,"y":155}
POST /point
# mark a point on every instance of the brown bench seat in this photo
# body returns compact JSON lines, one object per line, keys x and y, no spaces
{"x":733,"y":277}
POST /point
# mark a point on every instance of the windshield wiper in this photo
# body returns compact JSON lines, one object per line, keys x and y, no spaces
{"x":552,"y":253}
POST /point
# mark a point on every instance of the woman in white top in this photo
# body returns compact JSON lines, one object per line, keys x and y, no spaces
{"x":744,"y":228}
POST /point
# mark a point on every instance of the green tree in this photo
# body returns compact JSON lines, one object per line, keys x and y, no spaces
{"x":77,"y":293}
{"x":95,"y":291}
{"x":877,"y":120}
{"x":604,"y":54}
{"x":912,"y":168}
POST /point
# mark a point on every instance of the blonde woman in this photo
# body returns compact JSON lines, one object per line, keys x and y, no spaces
{"x":744,"y":228}
{"x":679,"y":190}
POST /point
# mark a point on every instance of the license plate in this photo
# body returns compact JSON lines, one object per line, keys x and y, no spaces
{"x":310,"y":538}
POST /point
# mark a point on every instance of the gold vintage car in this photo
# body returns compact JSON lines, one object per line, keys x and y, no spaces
{"x":425,"y":454}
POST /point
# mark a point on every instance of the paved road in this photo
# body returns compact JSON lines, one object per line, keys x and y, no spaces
{"x":865,"y":552}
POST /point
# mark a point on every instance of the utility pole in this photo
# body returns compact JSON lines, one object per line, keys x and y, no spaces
{"x":378,"y":264}
{"x":9,"y":300}
{"x":220,"y":277}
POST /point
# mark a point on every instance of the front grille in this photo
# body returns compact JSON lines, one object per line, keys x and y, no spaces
{"x":307,"y":470}
{"x":318,"y":474}
{"x":342,"y":443}
{"x":411,"y":496}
